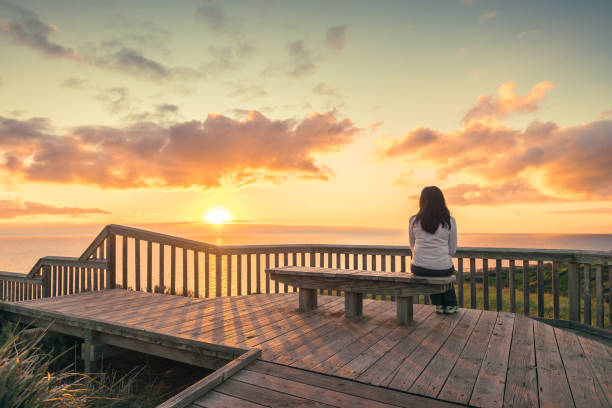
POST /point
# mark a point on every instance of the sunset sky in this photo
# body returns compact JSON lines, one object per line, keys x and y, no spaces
{"x":333,"y":113}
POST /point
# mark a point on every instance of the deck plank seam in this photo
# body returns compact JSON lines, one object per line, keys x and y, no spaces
{"x":564,"y":369}
{"x":459,"y":354}
{"x":280,"y":375}
{"x":483,"y":359}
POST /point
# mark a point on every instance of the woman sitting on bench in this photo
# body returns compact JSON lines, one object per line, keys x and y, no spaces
{"x":433,"y":242}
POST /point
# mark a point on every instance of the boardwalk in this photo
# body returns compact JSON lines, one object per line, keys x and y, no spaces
{"x":480,"y":358}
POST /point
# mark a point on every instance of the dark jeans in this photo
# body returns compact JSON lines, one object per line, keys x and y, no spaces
{"x":447,"y":298}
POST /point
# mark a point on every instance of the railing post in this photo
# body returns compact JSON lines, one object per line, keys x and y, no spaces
{"x":218,"y":275}
{"x":111,"y":254}
{"x":46,"y":281}
{"x":573,"y":288}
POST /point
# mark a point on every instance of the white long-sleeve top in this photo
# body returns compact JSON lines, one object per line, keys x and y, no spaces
{"x":433,"y":251}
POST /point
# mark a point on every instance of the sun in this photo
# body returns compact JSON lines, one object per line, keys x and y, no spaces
{"x":217,"y":215}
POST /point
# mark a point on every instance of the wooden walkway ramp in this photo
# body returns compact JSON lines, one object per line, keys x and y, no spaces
{"x":477,"y":358}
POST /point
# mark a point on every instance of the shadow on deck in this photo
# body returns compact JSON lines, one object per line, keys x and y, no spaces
{"x":480,"y":358}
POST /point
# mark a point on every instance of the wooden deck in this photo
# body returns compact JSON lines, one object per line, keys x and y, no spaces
{"x":478,"y":358}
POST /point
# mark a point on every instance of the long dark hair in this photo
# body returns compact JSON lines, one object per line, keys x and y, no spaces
{"x":432,"y":210}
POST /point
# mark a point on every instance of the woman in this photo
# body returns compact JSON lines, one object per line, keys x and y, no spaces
{"x":433,"y":241}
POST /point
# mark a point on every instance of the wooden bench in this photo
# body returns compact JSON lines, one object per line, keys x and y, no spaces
{"x":356,"y":283}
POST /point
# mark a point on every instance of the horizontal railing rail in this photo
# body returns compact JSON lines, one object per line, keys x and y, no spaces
{"x":562,"y":284}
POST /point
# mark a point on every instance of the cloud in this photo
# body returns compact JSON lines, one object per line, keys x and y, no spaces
{"x":510,"y":192}
{"x":25,"y":28}
{"x":508,"y":101}
{"x":227,"y":58}
{"x":132,"y":61}
{"x":213,"y":15}
{"x":336,"y":38}
{"x":74,"y":83}
{"x":542,"y":162}
{"x":216,"y":151}
{"x":325,"y":90}
{"x":245,"y":91}
{"x":115,"y":100}
{"x":606,"y":114}
{"x":13,"y":209}
{"x":301,"y":59}
{"x":120,"y":54}
{"x":488,"y":15}
{"x":583,"y":211}
{"x":574,"y":161}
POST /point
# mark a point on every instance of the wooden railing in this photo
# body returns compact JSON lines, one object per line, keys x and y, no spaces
{"x":515,"y":280}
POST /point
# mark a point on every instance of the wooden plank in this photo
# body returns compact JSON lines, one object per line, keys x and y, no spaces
{"x":277,"y":264}
{"x":258,"y":272}
{"x":485,"y":283}
{"x":573,"y":289}
{"x":124,"y":261}
{"x":162,"y":268}
{"x":228,"y":291}
{"x":307,"y":299}
{"x":249,"y":276}
{"x":266,"y":397}
{"x":207,"y":275}
{"x":587,"y":294}
{"x":196,"y":274}
{"x":309,"y":392}
{"x":404,"y":307}
{"x":239,"y":275}
{"x":185,"y":276}
{"x":376,"y":364}
{"x":473,"y":283}
{"x":267,"y":275}
{"x":490,"y":384}
{"x":600,"y":364}
{"x":194,"y":310}
{"x":320,"y":342}
{"x":526,"y":287}
{"x":386,"y":396}
{"x":553,"y":388}
{"x":406,"y":374}
{"x":585,"y":389}
{"x":460,"y":282}
{"x":290,"y":333}
{"x":460,"y":382}
{"x":200,"y":388}
{"x":555,"y":289}
{"x":137,"y":263}
{"x":498,"y":284}
{"x":173,"y":270}
{"x":350,"y":352}
{"x":511,"y":282}
{"x":149,"y":267}
{"x":432,"y":378}
{"x":353,"y":305}
{"x":216,"y":399}
{"x":540,"y":272}
{"x":521,"y":381}
{"x":599,"y":291}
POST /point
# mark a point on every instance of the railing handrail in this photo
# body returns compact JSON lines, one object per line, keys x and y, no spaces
{"x":65,"y":261}
{"x":565,"y":255}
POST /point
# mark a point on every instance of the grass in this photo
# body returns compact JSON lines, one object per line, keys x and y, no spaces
{"x":31,"y":376}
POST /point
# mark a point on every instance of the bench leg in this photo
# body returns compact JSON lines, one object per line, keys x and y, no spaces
{"x":404,"y":310}
{"x":353,"y":305}
{"x":308,"y":299}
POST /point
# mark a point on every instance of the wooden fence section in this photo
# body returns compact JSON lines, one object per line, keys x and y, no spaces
{"x":487,"y":278}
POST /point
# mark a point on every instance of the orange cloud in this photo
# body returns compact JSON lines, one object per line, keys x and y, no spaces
{"x":13,"y":209}
{"x":216,"y":151}
{"x":507,"y":101}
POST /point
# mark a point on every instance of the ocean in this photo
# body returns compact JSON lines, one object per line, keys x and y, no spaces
{"x":21,"y":246}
